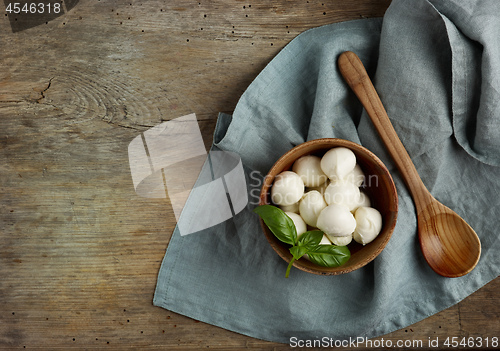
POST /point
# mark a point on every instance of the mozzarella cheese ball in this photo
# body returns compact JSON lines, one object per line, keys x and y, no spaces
{"x":325,"y":240}
{"x":320,"y":188}
{"x":290,"y":208}
{"x":368,"y":224}
{"x":300,"y":225}
{"x":340,"y":240}
{"x":287,"y":189}
{"x":336,"y":220}
{"x":309,"y":169}
{"x":342,"y":192}
{"x":356,"y":176}
{"x":311,"y":206}
{"x":338,"y":162}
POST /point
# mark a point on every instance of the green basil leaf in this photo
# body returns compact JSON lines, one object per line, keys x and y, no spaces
{"x":308,"y":241}
{"x":298,"y":251}
{"x":278,"y":222}
{"x":311,"y":239}
{"x":329,"y":255}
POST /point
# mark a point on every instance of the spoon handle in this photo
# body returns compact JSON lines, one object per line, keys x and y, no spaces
{"x":355,"y":75}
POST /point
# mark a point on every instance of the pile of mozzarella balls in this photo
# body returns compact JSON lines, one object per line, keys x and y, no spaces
{"x":324,"y":193}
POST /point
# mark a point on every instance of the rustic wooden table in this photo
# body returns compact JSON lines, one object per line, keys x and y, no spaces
{"x":78,"y":260}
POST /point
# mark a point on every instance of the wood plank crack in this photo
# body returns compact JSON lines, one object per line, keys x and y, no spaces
{"x":43,"y":91}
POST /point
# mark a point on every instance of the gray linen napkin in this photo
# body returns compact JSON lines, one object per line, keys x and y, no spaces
{"x":436,"y":65}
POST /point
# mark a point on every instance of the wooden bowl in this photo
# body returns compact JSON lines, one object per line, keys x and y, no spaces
{"x":379,"y":186}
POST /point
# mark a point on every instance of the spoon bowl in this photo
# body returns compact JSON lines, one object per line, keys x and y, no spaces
{"x":450,"y":255}
{"x":449,"y":245}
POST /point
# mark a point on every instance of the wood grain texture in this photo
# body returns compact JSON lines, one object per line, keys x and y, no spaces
{"x":78,"y":261}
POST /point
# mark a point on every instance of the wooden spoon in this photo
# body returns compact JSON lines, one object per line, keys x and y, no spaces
{"x":450,"y":246}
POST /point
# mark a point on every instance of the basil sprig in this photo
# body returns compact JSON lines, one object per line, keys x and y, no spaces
{"x":308,"y":243}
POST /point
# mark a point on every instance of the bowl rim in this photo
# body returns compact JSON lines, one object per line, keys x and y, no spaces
{"x":282,"y":162}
